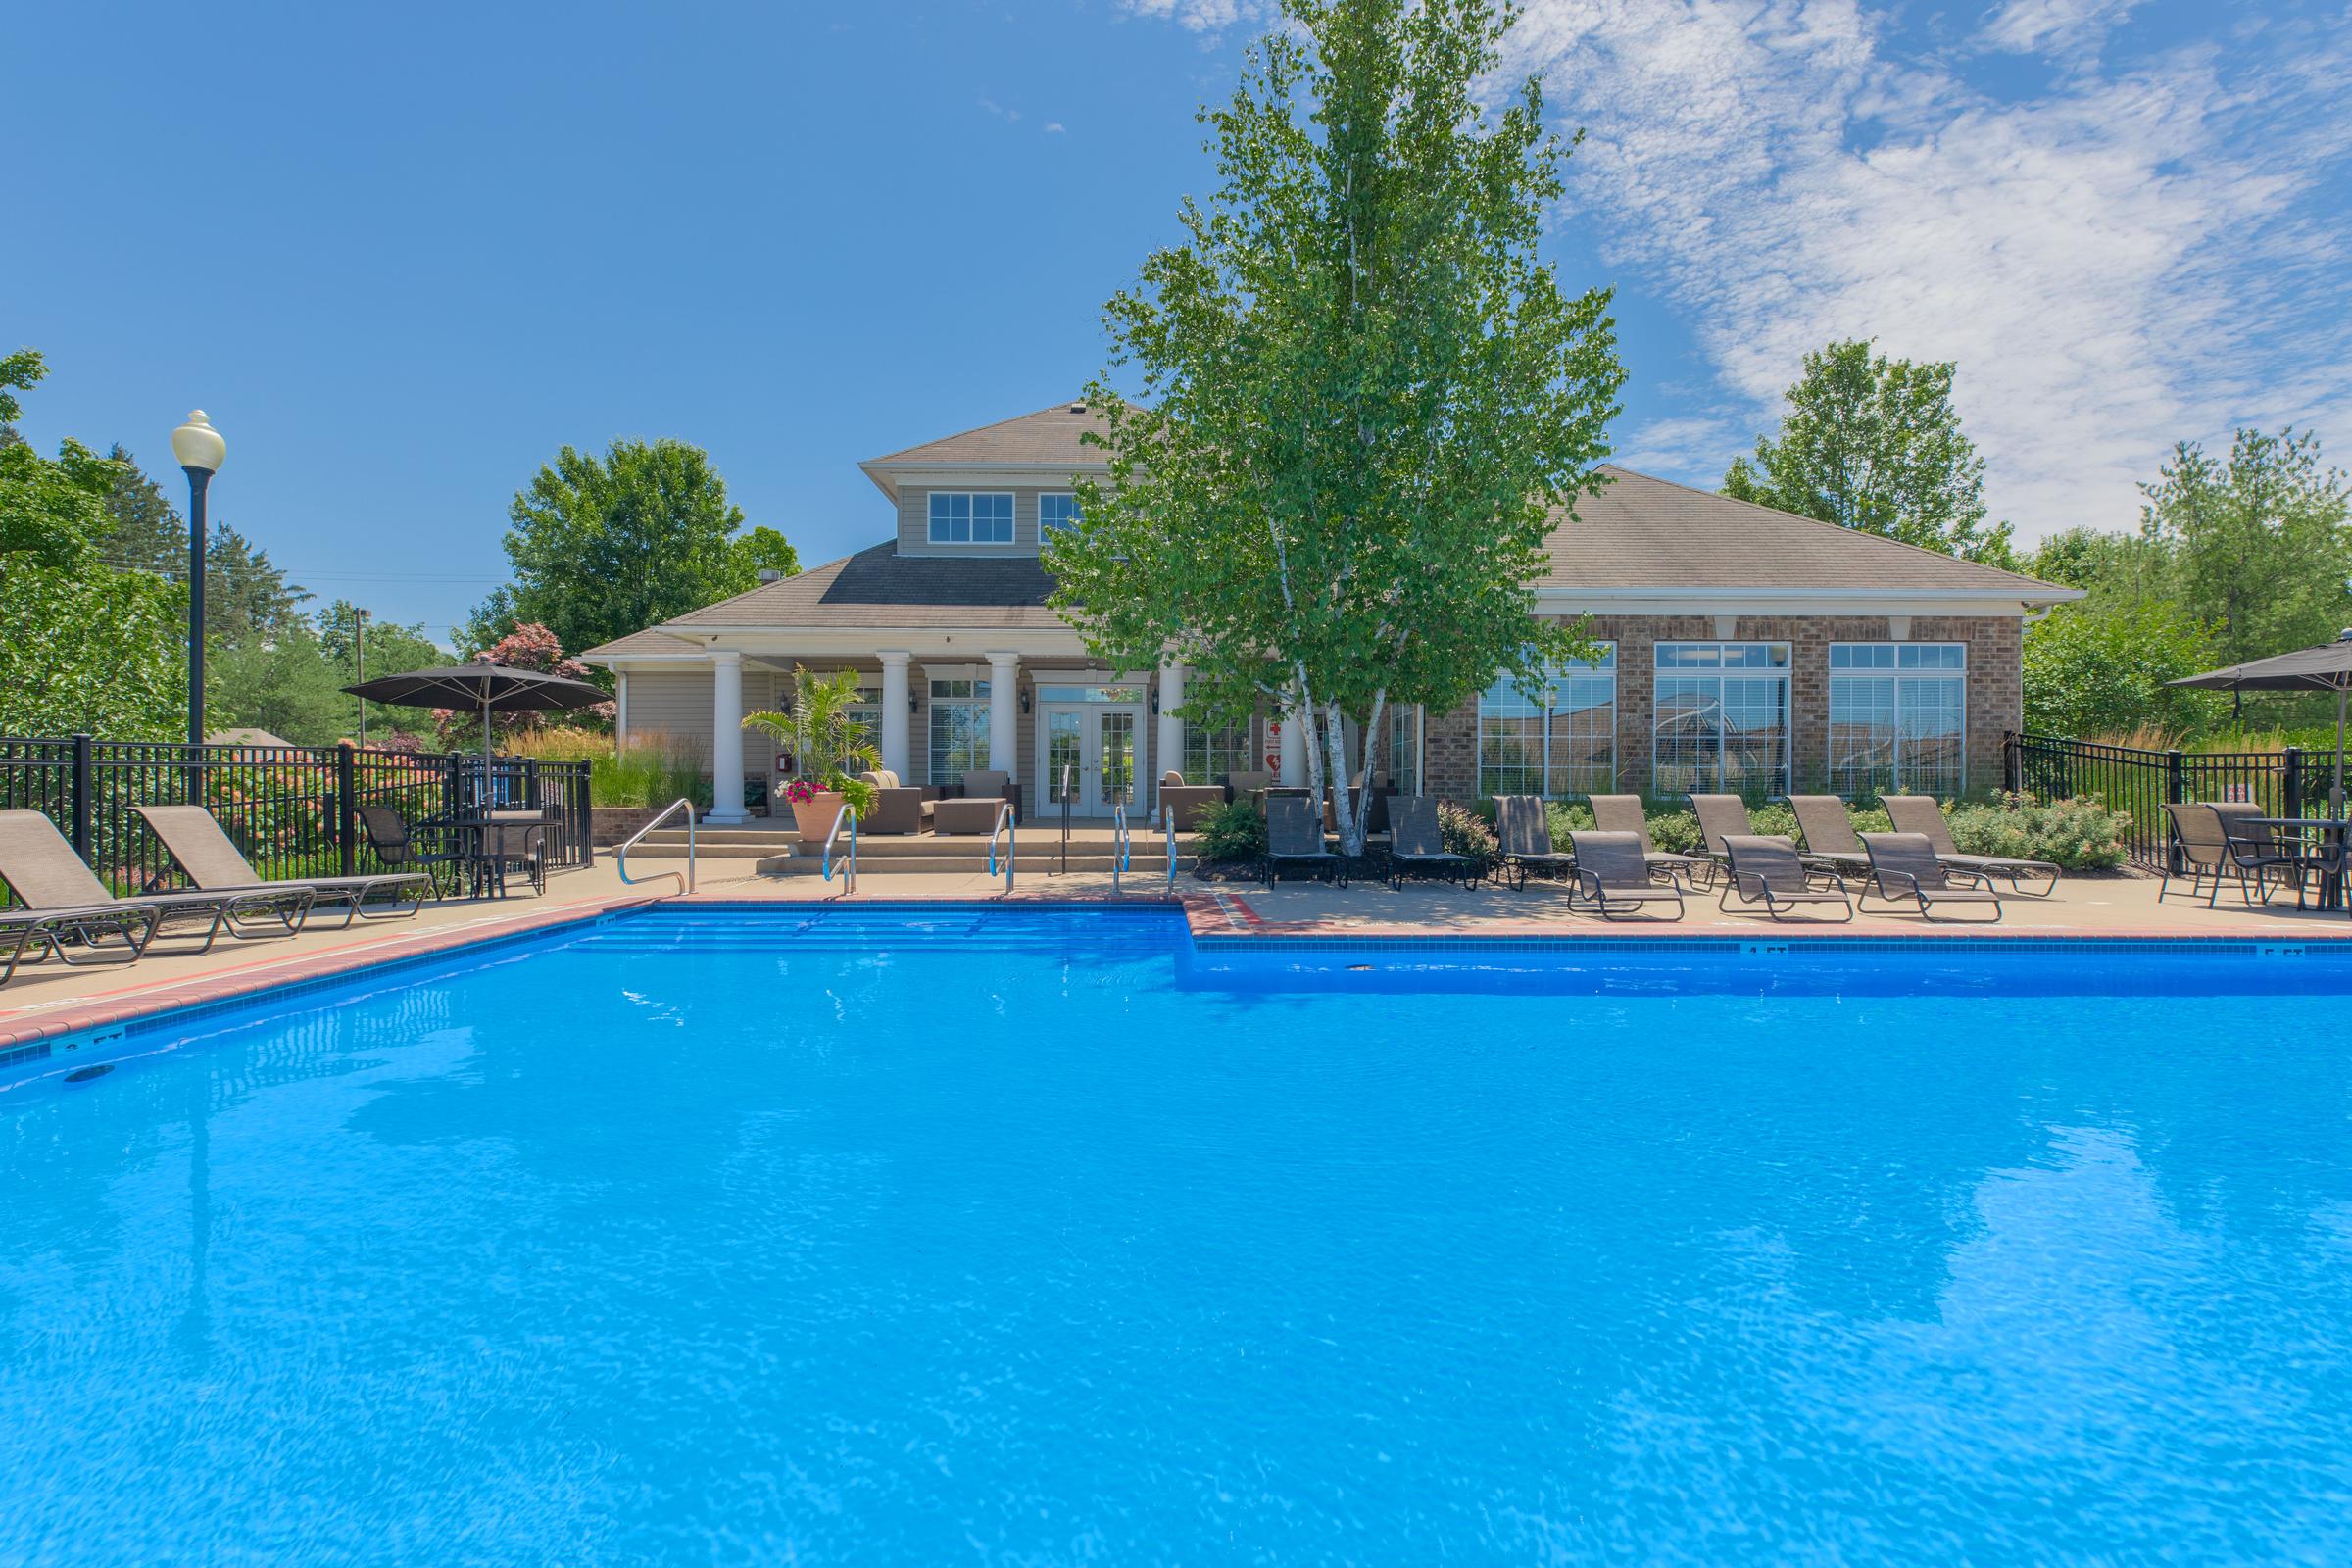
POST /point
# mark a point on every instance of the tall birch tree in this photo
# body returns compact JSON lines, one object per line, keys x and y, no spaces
{"x":1361,"y":394}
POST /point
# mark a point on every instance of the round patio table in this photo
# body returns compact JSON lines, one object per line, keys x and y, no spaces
{"x":2331,"y":833}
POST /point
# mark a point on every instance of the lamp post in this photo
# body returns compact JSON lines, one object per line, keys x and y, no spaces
{"x":199,"y":449}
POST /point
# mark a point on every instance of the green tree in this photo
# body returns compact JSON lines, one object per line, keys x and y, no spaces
{"x":605,"y":546}
{"x":2099,"y":667}
{"x":82,"y":646}
{"x":1875,"y":444}
{"x":2259,"y":543}
{"x":1363,"y":394}
{"x":148,"y":534}
{"x":246,"y":595}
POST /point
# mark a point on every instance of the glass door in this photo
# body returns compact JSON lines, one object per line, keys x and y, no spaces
{"x":1094,"y":742}
{"x":1064,"y":731}
{"x":1114,"y":758}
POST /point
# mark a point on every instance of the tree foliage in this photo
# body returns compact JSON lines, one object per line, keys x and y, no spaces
{"x":1875,"y":444}
{"x":2099,"y":667}
{"x":605,"y":546}
{"x":1362,"y":393}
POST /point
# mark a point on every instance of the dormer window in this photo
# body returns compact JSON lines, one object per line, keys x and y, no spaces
{"x":1055,"y":510}
{"x":971,"y":517}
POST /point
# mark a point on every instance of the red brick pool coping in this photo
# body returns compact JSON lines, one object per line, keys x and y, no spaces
{"x":1215,"y":914}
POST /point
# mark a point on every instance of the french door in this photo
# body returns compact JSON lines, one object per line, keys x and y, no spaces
{"x":1096,"y":745}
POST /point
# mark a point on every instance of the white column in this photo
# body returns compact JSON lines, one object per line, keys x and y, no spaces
{"x":726,"y":738}
{"x":1004,"y":715}
{"x":620,"y":708}
{"x":1295,"y":741}
{"x":1171,"y":729}
{"x":894,"y":716}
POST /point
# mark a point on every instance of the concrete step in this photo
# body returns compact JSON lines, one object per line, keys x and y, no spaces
{"x":1031,"y":863}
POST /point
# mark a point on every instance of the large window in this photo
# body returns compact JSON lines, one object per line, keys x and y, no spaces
{"x":1552,"y":738}
{"x":1211,"y":754}
{"x":1899,"y":717}
{"x":1055,"y":512}
{"x":1401,"y":756}
{"x":1722,"y":719}
{"x":971,"y":517}
{"x":959,"y":729}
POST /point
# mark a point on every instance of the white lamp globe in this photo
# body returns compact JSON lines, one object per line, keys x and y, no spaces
{"x":197,"y":445}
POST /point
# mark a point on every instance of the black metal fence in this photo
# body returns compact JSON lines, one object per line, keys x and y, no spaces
{"x":2139,"y":782}
{"x":292,"y":809}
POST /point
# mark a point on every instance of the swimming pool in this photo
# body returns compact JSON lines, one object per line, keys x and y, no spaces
{"x":958,"y":1236}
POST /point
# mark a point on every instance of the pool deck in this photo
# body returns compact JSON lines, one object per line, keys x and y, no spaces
{"x":47,"y":1001}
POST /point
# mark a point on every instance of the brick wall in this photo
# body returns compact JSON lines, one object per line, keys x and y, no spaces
{"x":1995,"y":688}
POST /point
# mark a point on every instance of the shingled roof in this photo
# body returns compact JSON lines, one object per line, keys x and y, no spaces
{"x":879,"y":587}
{"x":1047,"y":438}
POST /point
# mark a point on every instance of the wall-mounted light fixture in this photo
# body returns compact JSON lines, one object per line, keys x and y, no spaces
{"x":1025,"y":690}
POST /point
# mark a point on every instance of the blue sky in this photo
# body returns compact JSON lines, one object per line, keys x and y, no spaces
{"x":401,"y":257}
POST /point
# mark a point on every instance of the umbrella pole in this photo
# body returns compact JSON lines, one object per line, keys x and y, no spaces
{"x":2336,"y":797}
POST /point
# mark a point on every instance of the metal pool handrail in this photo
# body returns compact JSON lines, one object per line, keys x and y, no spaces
{"x":847,"y":814}
{"x":1122,"y":845}
{"x":1008,"y":823}
{"x":1168,"y":820}
{"x":620,"y":857}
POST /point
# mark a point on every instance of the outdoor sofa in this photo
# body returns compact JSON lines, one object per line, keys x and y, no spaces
{"x":1185,"y":805}
{"x":986,"y":792}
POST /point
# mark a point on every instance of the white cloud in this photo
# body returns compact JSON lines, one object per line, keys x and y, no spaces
{"x":1054,"y":127}
{"x":2135,"y":255}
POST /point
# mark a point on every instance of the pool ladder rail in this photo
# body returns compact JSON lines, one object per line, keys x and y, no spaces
{"x":847,"y":817}
{"x":1008,"y":825}
{"x":685,"y":879}
{"x":1122,"y":845}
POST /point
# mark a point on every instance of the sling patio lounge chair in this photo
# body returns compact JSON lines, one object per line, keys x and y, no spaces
{"x":1719,"y":817}
{"x":1624,"y":813}
{"x":193,"y":836}
{"x":1765,"y":869}
{"x":42,"y":869}
{"x":1295,"y":837}
{"x":1523,"y":828}
{"x":1904,"y":871}
{"x":1917,"y":813}
{"x":1416,"y":848}
{"x":1829,"y":837}
{"x":108,"y":933}
{"x":1614,"y":879}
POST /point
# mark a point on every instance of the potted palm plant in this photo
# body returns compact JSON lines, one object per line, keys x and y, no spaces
{"x":831,"y":747}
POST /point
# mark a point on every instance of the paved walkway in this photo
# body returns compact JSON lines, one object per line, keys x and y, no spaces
{"x":47,"y":1000}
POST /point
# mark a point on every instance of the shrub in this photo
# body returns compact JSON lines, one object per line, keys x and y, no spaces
{"x":1233,"y":832}
{"x":1462,"y":831}
{"x":2079,"y":835}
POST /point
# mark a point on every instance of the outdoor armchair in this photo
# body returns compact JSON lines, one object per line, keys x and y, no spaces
{"x":1904,"y":870}
{"x":1829,"y":832}
{"x":1295,"y":837}
{"x":1625,"y":813}
{"x":1917,"y":813}
{"x":1765,"y":869}
{"x":1416,"y":847}
{"x":42,"y":869}
{"x":898,"y":807}
{"x":1185,"y":805}
{"x":1614,"y":880}
{"x":1523,"y":829}
{"x":193,"y":836}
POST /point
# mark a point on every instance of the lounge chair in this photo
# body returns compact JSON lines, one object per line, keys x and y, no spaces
{"x":1624,"y":813}
{"x":2211,"y":850}
{"x":45,"y":931}
{"x":1416,"y":848}
{"x":1524,"y":829}
{"x":1295,"y":837}
{"x":191,"y":836}
{"x":1829,"y":838}
{"x":1917,"y":813}
{"x":1613,"y":878}
{"x":1719,"y":817}
{"x":1904,"y":870}
{"x":38,"y":863}
{"x":1765,"y":869}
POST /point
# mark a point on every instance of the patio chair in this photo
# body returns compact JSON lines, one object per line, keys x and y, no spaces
{"x":193,"y":836}
{"x":986,"y":790}
{"x":1416,"y":847}
{"x":1295,"y":837}
{"x":1719,"y":817}
{"x":1828,"y":831}
{"x":44,"y":931}
{"x":1524,"y":830}
{"x":1766,"y":869}
{"x":1904,"y":870}
{"x":2204,"y":846}
{"x":402,"y":846}
{"x":515,"y":841}
{"x":1242,"y":786}
{"x":1614,"y":879}
{"x":1625,"y":813}
{"x":1917,"y":813}
{"x":898,"y":807}
{"x":38,"y":863}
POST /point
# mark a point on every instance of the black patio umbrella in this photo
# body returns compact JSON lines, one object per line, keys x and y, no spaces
{"x":2325,"y":668}
{"x":486,"y":688}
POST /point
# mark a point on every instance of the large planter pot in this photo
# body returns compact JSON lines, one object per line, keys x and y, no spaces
{"x":814,"y":815}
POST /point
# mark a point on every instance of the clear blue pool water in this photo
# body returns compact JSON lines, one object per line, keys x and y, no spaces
{"x":724,"y":1237}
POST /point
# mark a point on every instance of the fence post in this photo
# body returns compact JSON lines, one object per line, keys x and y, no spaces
{"x":80,"y":814}
{"x":2293,"y":789}
{"x":2012,"y":764}
{"x":582,"y":812}
{"x":2175,"y":790}
{"x":346,"y":808}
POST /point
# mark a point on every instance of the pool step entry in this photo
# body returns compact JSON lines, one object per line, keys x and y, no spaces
{"x":779,"y":852}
